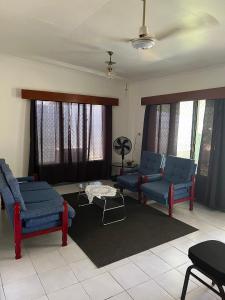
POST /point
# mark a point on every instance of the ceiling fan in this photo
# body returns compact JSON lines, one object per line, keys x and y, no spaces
{"x":145,"y":40}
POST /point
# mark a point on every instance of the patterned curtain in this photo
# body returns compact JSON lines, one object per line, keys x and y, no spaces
{"x":70,"y":141}
{"x":161,"y":128}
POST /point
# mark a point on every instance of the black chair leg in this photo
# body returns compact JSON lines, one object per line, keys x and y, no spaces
{"x":186,"y":280}
{"x":222,"y":292}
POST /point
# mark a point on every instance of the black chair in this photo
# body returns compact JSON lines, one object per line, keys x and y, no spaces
{"x":209,"y":259}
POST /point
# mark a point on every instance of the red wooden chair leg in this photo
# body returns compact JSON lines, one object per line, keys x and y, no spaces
{"x":139,"y":189}
{"x":64,"y":224}
{"x":17,"y":230}
{"x":144,"y":200}
{"x":139,"y":196}
{"x":171,"y":200}
{"x":2,"y":204}
{"x":192,"y":194}
{"x":191,"y":204}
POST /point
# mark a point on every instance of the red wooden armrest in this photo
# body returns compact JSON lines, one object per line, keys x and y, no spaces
{"x":17,"y":230}
{"x":64,"y":223}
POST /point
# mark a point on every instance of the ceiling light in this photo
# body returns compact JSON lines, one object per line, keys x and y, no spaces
{"x":146,"y":42}
{"x":110,"y":63}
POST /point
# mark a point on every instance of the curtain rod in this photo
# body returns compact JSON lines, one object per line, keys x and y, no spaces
{"x":207,"y":94}
{"x":65,"y":97}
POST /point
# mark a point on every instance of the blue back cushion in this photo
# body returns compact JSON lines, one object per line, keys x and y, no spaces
{"x":13,"y":185}
{"x":3,"y":182}
{"x":179,"y":170}
{"x":9,"y":202}
{"x":150,"y":163}
{"x":2,"y":161}
{"x":7,"y":172}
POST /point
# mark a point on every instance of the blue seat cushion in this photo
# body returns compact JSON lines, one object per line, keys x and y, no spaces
{"x":41,"y":196}
{"x":129,"y":181}
{"x":44,"y":226}
{"x":159,"y":191}
{"x":34,"y":186}
{"x":42,"y":213}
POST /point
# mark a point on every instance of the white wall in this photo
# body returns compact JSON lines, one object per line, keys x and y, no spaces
{"x":16,"y":74}
{"x":199,"y":79}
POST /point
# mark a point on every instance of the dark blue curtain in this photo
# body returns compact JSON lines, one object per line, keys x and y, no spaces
{"x":210,"y":184}
{"x":160,"y":129}
{"x":70,"y":142}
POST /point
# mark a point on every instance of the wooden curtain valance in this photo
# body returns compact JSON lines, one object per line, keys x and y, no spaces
{"x":64,"y":97}
{"x":215,"y":93}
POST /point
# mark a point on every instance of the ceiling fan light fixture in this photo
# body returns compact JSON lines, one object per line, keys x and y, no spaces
{"x":110,"y":63}
{"x":145,"y":42}
{"x":110,"y":73}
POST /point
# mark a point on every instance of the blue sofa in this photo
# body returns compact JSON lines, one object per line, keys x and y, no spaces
{"x":177,"y":183}
{"x":150,"y":166}
{"x":33,"y":207}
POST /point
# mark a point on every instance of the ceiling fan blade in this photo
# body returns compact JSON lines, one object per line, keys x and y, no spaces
{"x":148,"y":55}
{"x":117,"y":39}
{"x":77,"y":51}
{"x":168,"y":33}
{"x":205,"y":20}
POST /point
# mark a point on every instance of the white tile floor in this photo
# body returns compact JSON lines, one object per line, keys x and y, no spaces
{"x":48,"y":271}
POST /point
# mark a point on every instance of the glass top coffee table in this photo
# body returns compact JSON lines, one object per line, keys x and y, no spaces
{"x":82,"y":186}
{"x":106,"y":203}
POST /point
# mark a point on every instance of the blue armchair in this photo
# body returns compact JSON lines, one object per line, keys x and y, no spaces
{"x":34,"y":208}
{"x":150,"y":167}
{"x":176,"y":185}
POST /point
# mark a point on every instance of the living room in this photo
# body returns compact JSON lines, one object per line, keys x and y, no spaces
{"x":111,"y":156}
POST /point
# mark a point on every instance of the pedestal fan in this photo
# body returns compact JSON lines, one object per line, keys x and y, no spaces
{"x":122,"y":146}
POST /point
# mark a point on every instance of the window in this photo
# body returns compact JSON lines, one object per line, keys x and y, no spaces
{"x":199,"y":127}
{"x":190,"y":129}
{"x":185,"y":129}
{"x":69,"y":132}
{"x":95,"y":151}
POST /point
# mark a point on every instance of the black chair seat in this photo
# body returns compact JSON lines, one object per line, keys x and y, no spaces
{"x":209,"y":256}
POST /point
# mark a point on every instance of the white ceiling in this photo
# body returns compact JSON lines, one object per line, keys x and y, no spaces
{"x":78,"y":32}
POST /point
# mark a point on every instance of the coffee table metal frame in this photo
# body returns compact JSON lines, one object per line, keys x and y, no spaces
{"x":105,"y":209}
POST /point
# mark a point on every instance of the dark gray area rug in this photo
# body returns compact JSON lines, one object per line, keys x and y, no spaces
{"x":144,"y":228}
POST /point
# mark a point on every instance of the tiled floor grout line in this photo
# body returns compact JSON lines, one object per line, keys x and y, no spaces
{"x":179,"y":214}
{"x":120,"y":284}
{"x":172,"y":268}
{"x":66,"y":287}
{"x":2,"y":285}
{"x":152,"y":279}
{"x":38,"y":276}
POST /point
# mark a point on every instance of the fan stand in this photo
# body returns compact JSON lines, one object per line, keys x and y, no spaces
{"x":122,"y":160}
